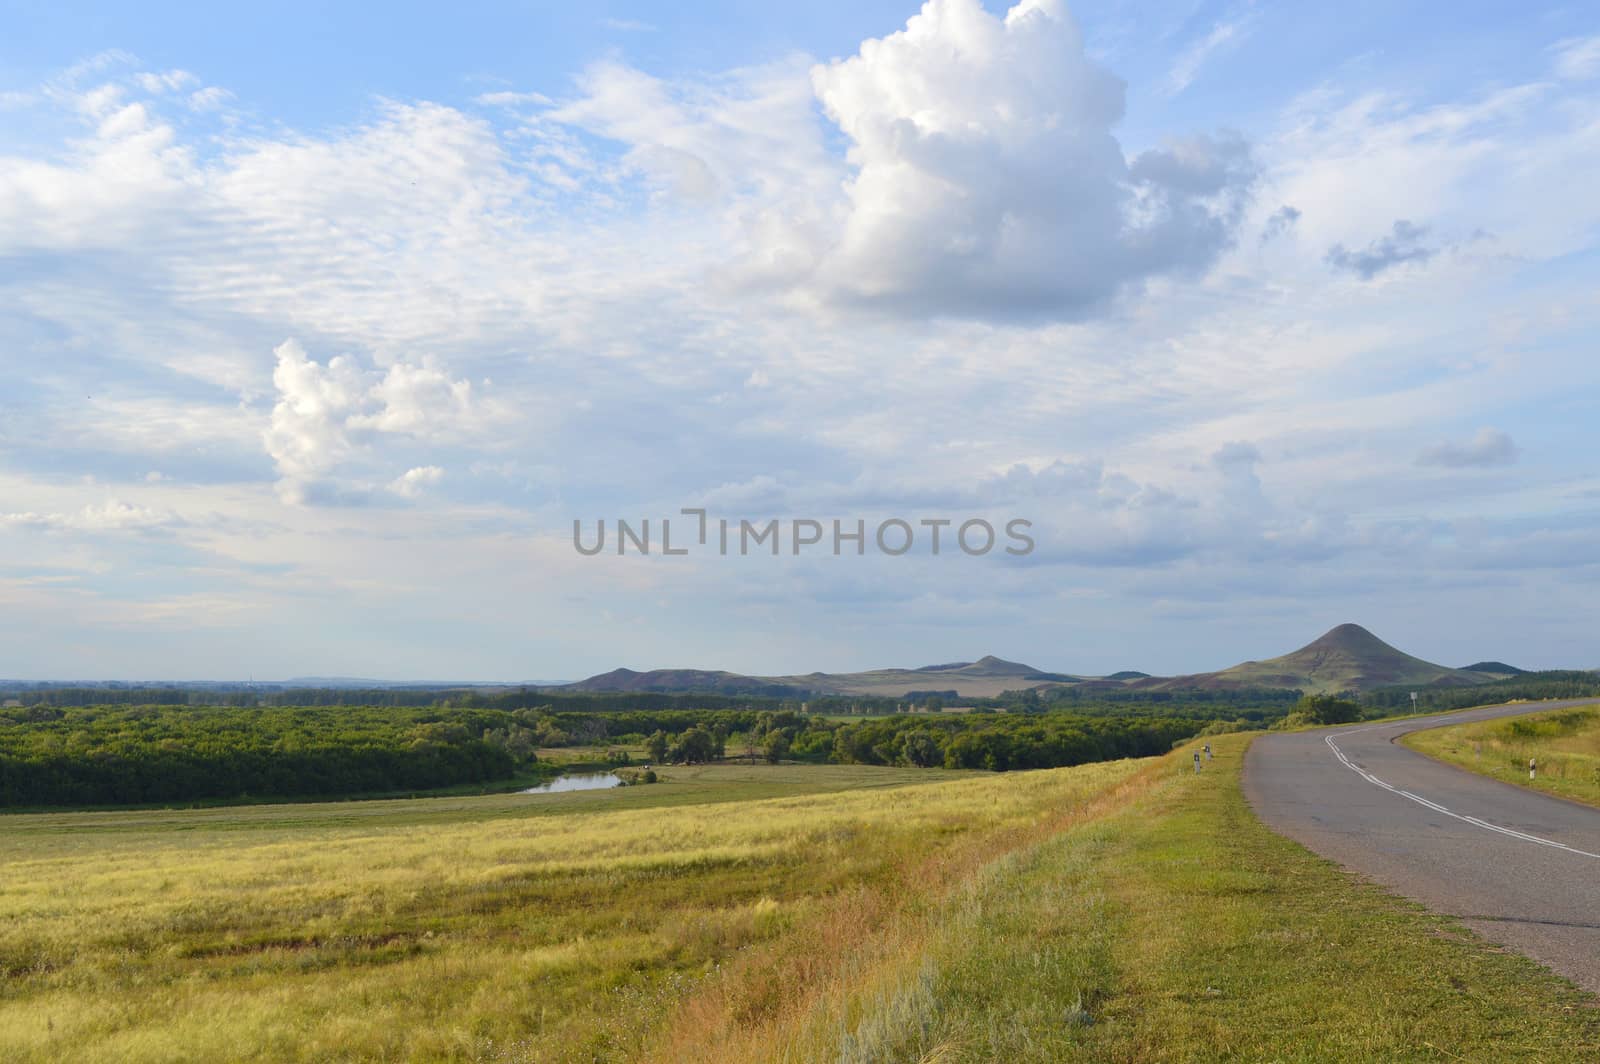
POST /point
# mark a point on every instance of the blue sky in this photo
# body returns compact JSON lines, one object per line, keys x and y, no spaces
{"x":319,"y":329}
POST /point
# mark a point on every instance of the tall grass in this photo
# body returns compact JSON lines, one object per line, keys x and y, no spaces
{"x":1166,"y":924}
{"x":1565,"y":743}
{"x":1130,"y":911}
{"x":348,"y":931}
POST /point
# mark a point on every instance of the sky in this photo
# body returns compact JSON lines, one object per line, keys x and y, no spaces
{"x":319,"y":330}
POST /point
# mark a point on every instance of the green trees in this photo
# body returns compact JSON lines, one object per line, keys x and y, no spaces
{"x":1328,"y":709}
{"x":695,"y":746}
{"x":112,"y":755}
{"x":656,"y":746}
{"x":514,"y":740}
{"x":852,"y":745}
{"x":999,"y":742}
{"x":150,"y":754}
{"x":815,"y":743}
{"x":775,"y":746}
{"x":922,"y":749}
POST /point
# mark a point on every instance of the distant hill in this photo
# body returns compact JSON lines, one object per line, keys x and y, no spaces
{"x":993,"y":666}
{"x":367,"y":684}
{"x":698,"y":681}
{"x":986,"y":677}
{"x":1499,"y":668}
{"x":1346,"y":658}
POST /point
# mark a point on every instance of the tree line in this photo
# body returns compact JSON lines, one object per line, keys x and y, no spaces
{"x":128,"y":755}
{"x":121,"y":755}
{"x":1530,"y":686}
{"x":414,"y":697}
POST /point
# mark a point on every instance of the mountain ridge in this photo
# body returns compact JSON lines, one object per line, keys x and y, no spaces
{"x":1344,"y":658}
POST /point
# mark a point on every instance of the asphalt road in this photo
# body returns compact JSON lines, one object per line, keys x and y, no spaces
{"x":1519,"y":867}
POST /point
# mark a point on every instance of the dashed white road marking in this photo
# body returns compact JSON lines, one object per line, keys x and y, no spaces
{"x":1436,"y":807}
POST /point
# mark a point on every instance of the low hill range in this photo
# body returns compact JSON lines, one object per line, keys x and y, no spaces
{"x":984,"y":678}
{"x":1346,"y":658}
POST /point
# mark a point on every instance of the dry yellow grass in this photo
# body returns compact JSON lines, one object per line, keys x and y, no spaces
{"x":342,"y":935}
{"x":1132,"y":911}
{"x":1565,"y":742}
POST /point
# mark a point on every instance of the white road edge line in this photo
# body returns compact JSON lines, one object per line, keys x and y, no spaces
{"x":1436,"y":807}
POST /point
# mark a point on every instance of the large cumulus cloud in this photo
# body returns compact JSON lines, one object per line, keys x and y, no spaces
{"x":987,"y":181}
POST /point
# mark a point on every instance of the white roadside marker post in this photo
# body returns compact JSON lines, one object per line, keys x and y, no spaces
{"x":1208,"y":751}
{"x":1197,"y":761}
{"x":1532,"y":767}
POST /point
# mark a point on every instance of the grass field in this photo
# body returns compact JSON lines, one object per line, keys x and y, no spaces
{"x":1169,"y":924}
{"x":1565,"y":742}
{"x":1128,"y":911}
{"x":495,"y":927}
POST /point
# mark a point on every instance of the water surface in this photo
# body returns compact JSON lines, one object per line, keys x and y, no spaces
{"x":578,"y":781}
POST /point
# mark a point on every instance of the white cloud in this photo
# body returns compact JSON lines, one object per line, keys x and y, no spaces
{"x":170,"y":81}
{"x":986,"y":180}
{"x":982,"y":177}
{"x":307,"y":436}
{"x":114,"y":187}
{"x":113,"y":515}
{"x":1187,"y":66}
{"x":742,"y":141}
{"x":413,"y":482}
{"x":1578,"y":58}
{"x":419,"y":400}
{"x":1506,"y":159}
{"x":117,"y":515}
{"x":512,"y":99}
{"x":211,"y":98}
{"x":322,"y":409}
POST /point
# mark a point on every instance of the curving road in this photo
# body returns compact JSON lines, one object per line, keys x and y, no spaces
{"x":1519,"y":867}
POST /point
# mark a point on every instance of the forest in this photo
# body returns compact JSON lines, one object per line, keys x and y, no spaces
{"x":131,"y":755}
{"x":122,"y":755}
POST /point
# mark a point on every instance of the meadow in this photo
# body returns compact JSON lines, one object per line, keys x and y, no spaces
{"x":1565,"y":743}
{"x":493,"y":927}
{"x":1127,"y":910}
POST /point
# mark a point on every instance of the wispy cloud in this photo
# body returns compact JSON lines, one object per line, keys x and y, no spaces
{"x":1578,"y":58}
{"x":1224,"y":35}
{"x":113,"y":515}
{"x":628,"y":25}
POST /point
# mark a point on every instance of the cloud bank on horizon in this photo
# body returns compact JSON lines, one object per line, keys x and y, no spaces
{"x":1257,"y":340}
